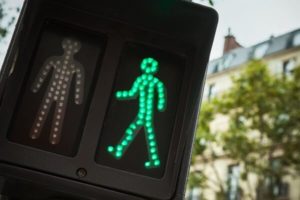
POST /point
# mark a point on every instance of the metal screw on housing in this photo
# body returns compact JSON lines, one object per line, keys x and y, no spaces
{"x":81,"y":172}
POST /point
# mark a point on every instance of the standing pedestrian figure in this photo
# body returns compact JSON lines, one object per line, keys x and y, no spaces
{"x":64,"y":68}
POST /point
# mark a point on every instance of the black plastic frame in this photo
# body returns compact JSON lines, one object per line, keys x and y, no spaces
{"x":180,"y":27}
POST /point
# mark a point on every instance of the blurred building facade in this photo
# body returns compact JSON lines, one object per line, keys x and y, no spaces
{"x":282,"y":55}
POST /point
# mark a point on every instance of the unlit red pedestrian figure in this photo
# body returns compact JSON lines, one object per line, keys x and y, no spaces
{"x":64,"y":68}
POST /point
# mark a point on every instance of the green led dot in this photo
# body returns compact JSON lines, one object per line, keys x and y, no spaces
{"x":151,"y":136}
{"x":150,"y":130}
{"x":110,"y":149}
{"x":157,"y":163}
{"x":118,"y":154}
{"x":141,"y":116}
{"x":132,"y":126}
{"x":129,"y":132}
{"x":124,"y":143}
{"x":152,"y":143}
{"x":152,"y":150}
{"x":129,"y":137}
{"x":160,"y":107}
{"x":139,"y":122}
{"x":147,"y":164}
{"x":119,"y":148}
{"x":149,"y":107}
{"x":143,"y":66}
{"x":154,"y":157}
{"x":151,"y":91}
{"x":148,"y":118}
{"x":119,"y":94}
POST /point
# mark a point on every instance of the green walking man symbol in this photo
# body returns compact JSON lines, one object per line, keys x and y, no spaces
{"x":144,"y":87}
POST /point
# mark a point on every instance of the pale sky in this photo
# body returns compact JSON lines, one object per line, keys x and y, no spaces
{"x":9,"y":8}
{"x":253,"y":21}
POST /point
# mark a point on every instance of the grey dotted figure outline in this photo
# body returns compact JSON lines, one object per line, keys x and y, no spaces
{"x":64,"y":67}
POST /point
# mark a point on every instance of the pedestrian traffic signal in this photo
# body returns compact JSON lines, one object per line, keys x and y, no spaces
{"x":99,"y":99}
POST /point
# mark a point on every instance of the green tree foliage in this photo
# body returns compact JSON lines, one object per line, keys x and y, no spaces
{"x":263,"y":112}
{"x":6,"y":20}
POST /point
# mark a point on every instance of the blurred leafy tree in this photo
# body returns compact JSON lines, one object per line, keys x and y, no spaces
{"x":6,"y":20}
{"x":263,"y":114}
{"x":197,"y":178}
{"x":203,"y":150}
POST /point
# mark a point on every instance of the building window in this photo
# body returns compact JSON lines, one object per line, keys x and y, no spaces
{"x":260,"y":51}
{"x":296,"y":40}
{"x":227,"y":61}
{"x":273,"y":187}
{"x":288,"y":66}
{"x":211,"y":91}
{"x":214,"y":68}
{"x":194,"y":194}
{"x":233,"y":182}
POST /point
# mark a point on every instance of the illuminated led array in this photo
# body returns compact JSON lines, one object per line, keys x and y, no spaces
{"x":145,"y":87}
{"x":64,"y":68}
